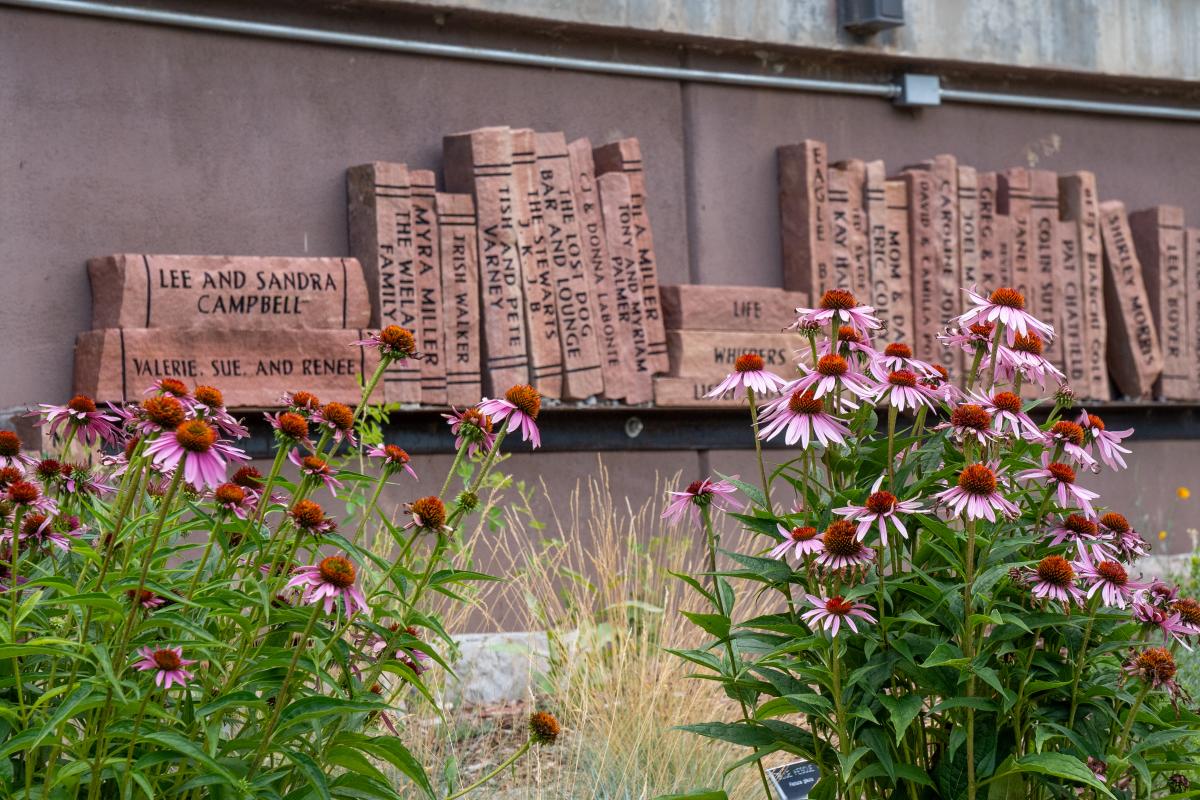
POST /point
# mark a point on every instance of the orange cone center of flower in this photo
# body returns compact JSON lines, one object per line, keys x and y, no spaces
{"x":543,"y":727}
{"x":977,"y":479}
{"x":195,"y":436}
{"x":1112,"y":572}
{"x":1188,"y":610}
{"x":10,"y":475}
{"x":396,"y":455}
{"x":431,"y":511}
{"x":803,"y":533}
{"x":308,"y":514}
{"x":748,"y":362}
{"x":1077,"y":523}
{"x":1008,"y":297}
{"x":172,"y":386}
{"x":1095,"y":422}
{"x":805,"y":403}
{"x":81,"y":402}
{"x":694,"y":487}
{"x":209,"y":396}
{"x":1028,"y":343}
{"x":339,"y":414}
{"x":1061,"y":472}
{"x":1156,"y":663}
{"x":10,"y":444}
{"x":846,"y":333}
{"x":527,"y":399}
{"x":1056,"y":570}
{"x":247,"y":477}
{"x":838,"y":300}
{"x":898,"y":350}
{"x":22,"y":492}
{"x":839,"y":539}
{"x":903,"y":377}
{"x":166,"y":660}
{"x":305,"y":400}
{"x":832,"y":365}
{"x":881,"y":502}
{"x":1068,"y":431}
{"x":1115,"y":522}
{"x":838,"y":605}
{"x":972,"y":416}
{"x":398,"y":338}
{"x":32,"y":523}
{"x":142,"y":596}
{"x":166,"y":412}
{"x":1007,"y":401}
{"x":337,"y":571}
{"x":293,"y":425}
{"x":983,"y":329}
{"x":473,"y":416}
{"x":313,"y":464}
{"x":229,"y":493}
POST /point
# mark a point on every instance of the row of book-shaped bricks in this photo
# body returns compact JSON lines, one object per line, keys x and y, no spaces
{"x":535,"y":265}
{"x":1121,"y":289}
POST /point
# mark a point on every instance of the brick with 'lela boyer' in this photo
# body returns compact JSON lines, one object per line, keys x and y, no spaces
{"x":1134,"y":355}
{"x":459,"y":257}
{"x":253,"y":368}
{"x":178,"y":291}
{"x":1158,"y":237}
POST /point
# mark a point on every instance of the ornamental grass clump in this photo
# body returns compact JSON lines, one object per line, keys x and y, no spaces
{"x":955,"y":613}
{"x":176,"y":624}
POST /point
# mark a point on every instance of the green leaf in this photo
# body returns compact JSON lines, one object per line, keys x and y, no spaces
{"x":735,"y":732}
{"x":753,"y":492}
{"x":769,"y":570}
{"x":945,"y":655}
{"x":1058,"y":765}
{"x":391,"y":750}
{"x":319,"y":706}
{"x":902,"y":710}
{"x":713,"y":624}
{"x":312,"y":772}
{"x":187,"y":749}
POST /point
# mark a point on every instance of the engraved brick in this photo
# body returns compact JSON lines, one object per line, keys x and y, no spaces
{"x":459,"y":253}
{"x":851,"y":256}
{"x":1079,"y":203}
{"x":616,"y":205}
{"x":1159,"y":240}
{"x":894,"y":285}
{"x":479,"y":162}
{"x":711,"y":354}
{"x":1071,"y":329}
{"x":989,"y":271}
{"x":1015,"y":201}
{"x":1134,"y":355}
{"x":690,"y":393}
{"x":1043,"y":213}
{"x":804,"y":223}
{"x":427,"y":264}
{"x":729,"y":308}
{"x":380,"y":211}
{"x":626,"y":156}
{"x":968,"y":226}
{"x":251,"y":368}
{"x":1191,"y":242}
{"x":925,"y":258}
{"x":169,"y":291}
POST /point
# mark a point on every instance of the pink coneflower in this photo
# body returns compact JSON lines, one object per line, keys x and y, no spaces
{"x":880,"y":508}
{"x":290,"y":426}
{"x":941,"y":386}
{"x":1168,"y":621}
{"x":310,"y":517}
{"x":81,"y":416}
{"x":168,"y":665}
{"x":145,"y":598}
{"x":210,"y":405}
{"x":1008,"y":412}
{"x":800,"y":417}
{"x":1110,"y":579}
{"x":327,"y":582}
{"x":1083,"y":534}
{"x":969,"y":338}
{"x":902,"y":389}
{"x":10,"y":475}
{"x":1006,"y":306}
{"x":970,"y":421}
{"x":39,"y":530}
{"x":898,"y":356}
{"x":394,"y":458}
{"x":828,"y":614}
{"x":79,"y":479}
{"x":802,"y":540}
{"x":338,"y":419}
{"x":472,"y":426}
{"x":169,"y":386}
{"x":194,"y":443}
{"x":841,"y":548}
{"x":234,"y":499}
{"x":1127,"y":542}
{"x":428,"y":514}
{"x":1106,"y":441}
{"x":301,"y":402}
{"x":833,"y":372}
{"x":1025,"y":356}
{"x":1187,"y":611}
{"x":839,"y":305}
{"x":717,"y":495}
{"x":1061,"y":478}
{"x":749,"y":372}
{"x":976,"y":494}
{"x":394,"y":343}
{"x":520,"y":406}
{"x":1069,"y":437}
{"x":24,"y":494}
{"x":1155,"y":666}
{"x":10,"y":452}
{"x":158,"y":414}
{"x":1054,"y":579}
{"x":849,"y":342}
{"x":316,"y":468}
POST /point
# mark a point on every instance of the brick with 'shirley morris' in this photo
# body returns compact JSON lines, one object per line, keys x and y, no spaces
{"x":1134,"y":355}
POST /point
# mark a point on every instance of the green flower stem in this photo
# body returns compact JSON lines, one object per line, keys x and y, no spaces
{"x":370,"y":509}
{"x":1018,"y":722}
{"x":212,"y":537}
{"x":758,"y":451}
{"x":369,"y":389}
{"x":1081,"y":658}
{"x":14,"y":594}
{"x":996,"y":354}
{"x":67,"y":442}
{"x":265,"y":500}
{"x":975,"y":368}
{"x":137,"y":724}
{"x":891,"y":450}
{"x":969,"y":652}
{"x":458,"y":457}
{"x":282,"y":696}
{"x":835,"y":679}
{"x":1123,"y":738}
{"x":505,"y":764}
{"x":734,"y":669}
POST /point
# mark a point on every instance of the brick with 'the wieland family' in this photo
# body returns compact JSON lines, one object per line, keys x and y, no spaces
{"x":380,"y":208}
{"x":479,"y":162}
{"x":711,"y":354}
{"x":1159,"y":240}
{"x":729,"y":308}
{"x":616,"y":205}
{"x":1134,"y":355}
{"x":1080,"y":206}
{"x":459,"y":253}
{"x":572,"y":275}
{"x":427,"y":264}
{"x":251,"y":368}
{"x":156,"y":291}
{"x":806,"y":237}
